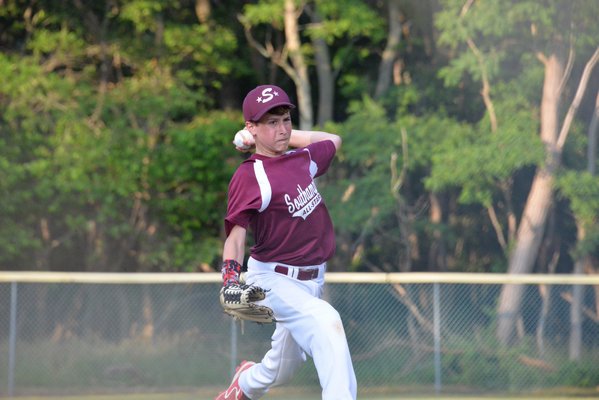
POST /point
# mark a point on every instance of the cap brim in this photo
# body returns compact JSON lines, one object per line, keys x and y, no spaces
{"x":258,"y":116}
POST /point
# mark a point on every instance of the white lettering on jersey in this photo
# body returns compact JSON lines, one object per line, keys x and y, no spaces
{"x":305,"y":202}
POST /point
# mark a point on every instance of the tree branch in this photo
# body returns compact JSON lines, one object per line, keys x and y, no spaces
{"x":582,"y":86}
{"x":486,"y":89}
{"x":268,"y":50}
{"x":591,"y":314}
{"x":497,"y":227}
{"x":568,"y":69}
{"x":592,"y":141}
{"x":402,"y":295}
{"x":398,"y":179}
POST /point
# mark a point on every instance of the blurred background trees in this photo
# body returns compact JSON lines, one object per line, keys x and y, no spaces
{"x":469,"y":130}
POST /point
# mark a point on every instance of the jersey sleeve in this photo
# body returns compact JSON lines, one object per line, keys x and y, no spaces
{"x":244,"y":199}
{"x":322,"y":154}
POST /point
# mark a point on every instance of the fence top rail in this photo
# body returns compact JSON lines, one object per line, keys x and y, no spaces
{"x":331,"y":277}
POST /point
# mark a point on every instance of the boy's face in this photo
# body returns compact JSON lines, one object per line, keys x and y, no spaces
{"x":271,"y":134}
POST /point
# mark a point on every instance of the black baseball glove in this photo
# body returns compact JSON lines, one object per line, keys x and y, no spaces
{"x":239,"y":301}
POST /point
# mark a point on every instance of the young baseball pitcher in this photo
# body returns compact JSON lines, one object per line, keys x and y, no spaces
{"x":273,"y":196}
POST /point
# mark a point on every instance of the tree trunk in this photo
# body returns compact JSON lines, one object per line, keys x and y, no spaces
{"x":203,"y":10}
{"x":532,"y":225}
{"x":391,"y":49}
{"x":437,"y":259}
{"x":300,"y":75}
{"x":592,"y":135}
{"x":575,"y":345}
{"x":326,"y":79}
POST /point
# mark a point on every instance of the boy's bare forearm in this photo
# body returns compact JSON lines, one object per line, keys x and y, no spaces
{"x":302,"y":138}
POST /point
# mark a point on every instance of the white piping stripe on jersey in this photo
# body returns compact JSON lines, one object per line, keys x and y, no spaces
{"x":313,"y":166}
{"x":265,"y":189}
{"x":313,"y":169}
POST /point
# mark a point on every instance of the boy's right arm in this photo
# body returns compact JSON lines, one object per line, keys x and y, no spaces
{"x":301,"y":138}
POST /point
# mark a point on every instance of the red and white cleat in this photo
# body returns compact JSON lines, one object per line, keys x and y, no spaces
{"x":234,"y":391}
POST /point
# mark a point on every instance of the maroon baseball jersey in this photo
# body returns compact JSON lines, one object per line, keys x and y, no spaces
{"x":277,"y":199}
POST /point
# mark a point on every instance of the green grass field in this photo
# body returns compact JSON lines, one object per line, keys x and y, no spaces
{"x":312,"y":393}
{"x":280,"y":395}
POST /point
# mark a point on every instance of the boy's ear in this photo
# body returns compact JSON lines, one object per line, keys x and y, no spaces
{"x":249,"y":125}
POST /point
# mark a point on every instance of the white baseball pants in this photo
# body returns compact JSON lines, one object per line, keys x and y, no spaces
{"x":306,"y":324}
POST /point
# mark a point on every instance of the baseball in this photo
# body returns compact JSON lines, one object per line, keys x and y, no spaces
{"x":240,"y":137}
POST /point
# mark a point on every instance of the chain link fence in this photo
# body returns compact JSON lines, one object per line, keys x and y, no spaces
{"x":167,"y":333}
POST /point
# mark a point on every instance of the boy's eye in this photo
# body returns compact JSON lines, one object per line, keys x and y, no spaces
{"x":275,"y":122}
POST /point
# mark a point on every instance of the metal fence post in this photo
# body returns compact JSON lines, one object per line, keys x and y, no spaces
{"x":437,"y":334}
{"x":12,"y":339}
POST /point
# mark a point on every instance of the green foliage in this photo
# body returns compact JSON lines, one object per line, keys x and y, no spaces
{"x":142,"y":13}
{"x":364,"y":189}
{"x":502,"y":368}
{"x":348,"y":18}
{"x":265,"y":12}
{"x":210,"y":49}
{"x":81,"y":163}
{"x":190,"y":174}
{"x":582,"y":191}
{"x":458,"y":25}
{"x":498,"y":38}
{"x":61,"y":44}
{"x":98,"y":177}
{"x":353,"y":29}
{"x":200,"y":55}
{"x":88,"y":364}
{"x":33,"y":104}
{"x":112,"y":122}
{"x":579,"y":374}
{"x":585,"y":30}
{"x":478,"y":161}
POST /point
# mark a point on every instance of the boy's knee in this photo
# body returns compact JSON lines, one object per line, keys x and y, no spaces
{"x":330,"y":319}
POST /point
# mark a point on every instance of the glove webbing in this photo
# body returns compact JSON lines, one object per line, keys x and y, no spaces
{"x":242,"y":294}
{"x":231,"y":296}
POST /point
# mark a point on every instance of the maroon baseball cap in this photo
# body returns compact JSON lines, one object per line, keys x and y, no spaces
{"x":263,"y":98}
